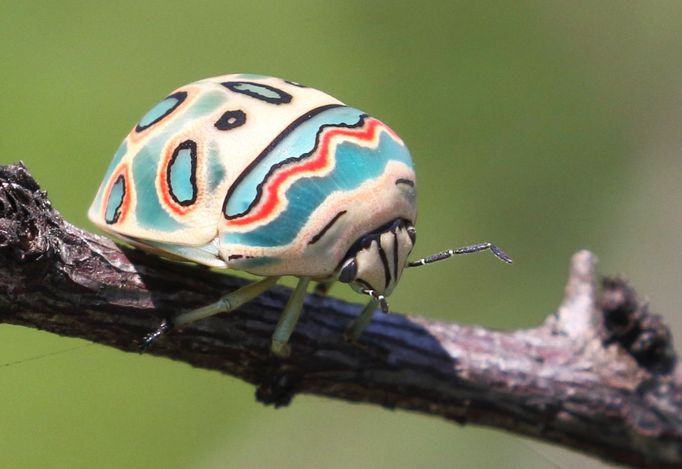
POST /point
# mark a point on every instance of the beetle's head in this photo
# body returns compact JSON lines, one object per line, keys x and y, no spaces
{"x":374,"y":263}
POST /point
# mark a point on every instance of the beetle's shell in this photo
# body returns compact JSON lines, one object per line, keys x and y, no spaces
{"x":255,"y":173}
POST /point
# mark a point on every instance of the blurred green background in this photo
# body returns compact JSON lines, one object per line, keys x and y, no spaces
{"x":545,"y":127}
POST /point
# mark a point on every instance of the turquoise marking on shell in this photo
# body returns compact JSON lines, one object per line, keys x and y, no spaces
{"x":216,"y":170}
{"x":354,"y":165}
{"x":115,"y":200}
{"x":181,"y":176}
{"x":208,"y":102}
{"x":300,"y":141}
{"x":149,"y":211}
{"x":159,"y":110}
{"x":260,"y":90}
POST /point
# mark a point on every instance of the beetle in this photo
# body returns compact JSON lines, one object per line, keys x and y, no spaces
{"x":271,"y":177}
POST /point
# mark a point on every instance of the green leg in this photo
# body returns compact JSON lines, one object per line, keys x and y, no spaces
{"x":227,"y":303}
{"x":355,"y":329}
{"x":288,"y":319}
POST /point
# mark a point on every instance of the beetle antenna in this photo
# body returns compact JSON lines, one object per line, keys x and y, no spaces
{"x":499,"y":253}
{"x":379,"y":297}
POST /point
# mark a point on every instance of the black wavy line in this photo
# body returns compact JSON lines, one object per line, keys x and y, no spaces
{"x":259,"y":188}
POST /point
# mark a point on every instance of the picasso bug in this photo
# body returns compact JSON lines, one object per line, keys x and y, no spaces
{"x":270,"y":177}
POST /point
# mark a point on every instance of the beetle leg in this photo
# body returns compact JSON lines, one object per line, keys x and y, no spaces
{"x":499,"y":253}
{"x":360,"y":323}
{"x":288,"y":319}
{"x":227,"y":303}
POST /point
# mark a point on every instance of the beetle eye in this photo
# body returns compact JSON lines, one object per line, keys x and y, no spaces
{"x":348,"y":271}
{"x":412,"y":233}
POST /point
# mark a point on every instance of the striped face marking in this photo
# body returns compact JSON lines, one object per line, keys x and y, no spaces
{"x":376,"y":260}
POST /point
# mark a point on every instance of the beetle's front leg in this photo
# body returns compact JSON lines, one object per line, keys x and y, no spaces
{"x":288,"y":319}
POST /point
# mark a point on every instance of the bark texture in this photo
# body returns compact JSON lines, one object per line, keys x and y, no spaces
{"x":600,"y":375}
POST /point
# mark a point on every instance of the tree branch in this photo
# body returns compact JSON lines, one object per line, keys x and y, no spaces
{"x":599,"y":376}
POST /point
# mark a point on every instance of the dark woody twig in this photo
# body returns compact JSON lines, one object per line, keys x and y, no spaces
{"x":599,"y":376}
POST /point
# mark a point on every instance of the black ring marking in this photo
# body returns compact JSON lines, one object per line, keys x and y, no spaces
{"x":282,"y":96}
{"x":180,"y":96}
{"x":407,"y":182}
{"x":290,"y":128}
{"x":192,"y":146}
{"x":117,"y":211}
{"x":319,"y":235}
{"x":230,"y":120}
